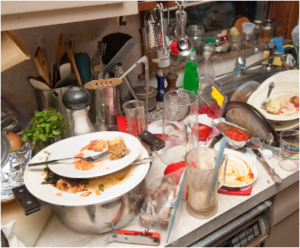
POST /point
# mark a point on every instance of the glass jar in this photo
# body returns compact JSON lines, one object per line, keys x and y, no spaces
{"x":257,"y":31}
{"x":195,"y":31}
{"x":235,"y":43}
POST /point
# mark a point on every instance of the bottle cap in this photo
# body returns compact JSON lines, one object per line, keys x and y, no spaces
{"x":206,"y":53}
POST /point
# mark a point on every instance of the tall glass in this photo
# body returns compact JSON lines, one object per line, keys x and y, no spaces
{"x":180,"y":125}
{"x":289,"y":150}
{"x":135,"y":116}
{"x":203,"y":180}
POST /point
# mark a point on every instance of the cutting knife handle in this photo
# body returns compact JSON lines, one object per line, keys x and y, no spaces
{"x":151,"y":140}
{"x":275,"y":177}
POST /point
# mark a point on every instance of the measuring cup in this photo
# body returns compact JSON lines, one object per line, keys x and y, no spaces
{"x":204,"y":179}
{"x":180,"y":125}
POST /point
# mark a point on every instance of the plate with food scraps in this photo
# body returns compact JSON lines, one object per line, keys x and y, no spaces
{"x":123,"y":149}
{"x":285,"y":125}
{"x":283,"y":104}
{"x":82,"y":192}
{"x":241,"y":170}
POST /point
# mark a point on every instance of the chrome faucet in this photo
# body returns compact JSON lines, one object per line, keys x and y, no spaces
{"x":240,"y":63}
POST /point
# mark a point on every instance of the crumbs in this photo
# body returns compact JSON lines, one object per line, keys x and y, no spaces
{"x":58,"y":194}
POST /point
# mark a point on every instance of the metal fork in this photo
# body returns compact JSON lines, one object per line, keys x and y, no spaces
{"x":88,"y":159}
{"x":264,"y":103}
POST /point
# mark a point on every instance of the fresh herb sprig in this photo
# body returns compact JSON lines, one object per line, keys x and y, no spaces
{"x":45,"y":125}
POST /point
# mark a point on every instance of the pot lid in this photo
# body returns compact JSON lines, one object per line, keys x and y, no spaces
{"x":5,"y":149}
{"x":248,"y":117}
{"x":47,"y":193}
{"x":140,"y":90}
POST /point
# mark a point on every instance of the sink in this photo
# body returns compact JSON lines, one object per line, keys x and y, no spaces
{"x":230,"y":82}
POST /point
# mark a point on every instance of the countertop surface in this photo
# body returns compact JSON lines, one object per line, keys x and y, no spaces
{"x":190,"y":229}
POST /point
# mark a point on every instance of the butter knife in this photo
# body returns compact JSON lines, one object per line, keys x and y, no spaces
{"x":275,"y":177}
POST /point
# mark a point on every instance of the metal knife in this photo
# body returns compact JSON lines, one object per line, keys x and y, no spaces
{"x":275,"y":177}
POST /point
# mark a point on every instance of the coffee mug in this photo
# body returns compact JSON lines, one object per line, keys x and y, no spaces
{"x":13,"y":51}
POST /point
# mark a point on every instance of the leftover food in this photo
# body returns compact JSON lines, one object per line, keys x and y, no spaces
{"x":117,"y":148}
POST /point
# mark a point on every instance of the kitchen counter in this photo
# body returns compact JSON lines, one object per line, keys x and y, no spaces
{"x":55,"y":234}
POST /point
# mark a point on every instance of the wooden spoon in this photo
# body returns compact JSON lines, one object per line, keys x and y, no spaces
{"x":60,"y":49}
{"x":72,"y":60}
{"x":42,"y":65}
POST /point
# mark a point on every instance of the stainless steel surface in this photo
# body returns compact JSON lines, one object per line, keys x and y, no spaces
{"x":112,"y":103}
{"x":5,"y":149}
{"x":101,"y":218}
{"x":53,"y":98}
{"x":275,"y":177}
{"x":184,"y":43}
{"x":76,"y":98}
{"x":264,"y":103}
{"x":263,"y":213}
{"x":241,"y":61}
{"x":186,"y":5}
{"x":88,"y":159}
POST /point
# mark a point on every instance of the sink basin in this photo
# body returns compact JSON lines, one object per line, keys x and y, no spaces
{"x":230,"y":82}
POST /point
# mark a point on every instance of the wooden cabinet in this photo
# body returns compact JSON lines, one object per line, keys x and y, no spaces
{"x":27,"y":14}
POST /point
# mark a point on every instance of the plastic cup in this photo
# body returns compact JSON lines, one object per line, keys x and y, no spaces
{"x":289,"y":150}
{"x":248,"y":27}
{"x":135,"y":116}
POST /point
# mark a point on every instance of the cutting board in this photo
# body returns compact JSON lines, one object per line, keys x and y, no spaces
{"x":27,"y":228}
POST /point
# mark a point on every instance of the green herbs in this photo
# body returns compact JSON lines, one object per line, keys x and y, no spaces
{"x":45,"y":125}
{"x":50,"y":175}
{"x":268,"y":181}
{"x":101,"y":187}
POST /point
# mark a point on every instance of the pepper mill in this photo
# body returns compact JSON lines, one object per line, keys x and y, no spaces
{"x":161,"y":90}
{"x":171,"y":79}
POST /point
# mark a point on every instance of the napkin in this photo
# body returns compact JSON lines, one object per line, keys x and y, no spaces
{"x":8,"y":230}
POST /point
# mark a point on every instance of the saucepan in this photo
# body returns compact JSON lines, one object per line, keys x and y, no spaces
{"x":237,"y":137}
{"x":88,"y":215}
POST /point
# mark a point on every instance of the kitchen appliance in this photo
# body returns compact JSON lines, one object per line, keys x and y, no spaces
{"x":94,"y":214}
{"x":247,"y":230}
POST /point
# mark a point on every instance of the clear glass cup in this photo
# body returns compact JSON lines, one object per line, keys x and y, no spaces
{"x":180,"y":125}
{"x":235,"y":43}
{"x":257,"y":31}
{"x":289,"y":150}
{"x":135,"y":116}
{"x":203,"y":180}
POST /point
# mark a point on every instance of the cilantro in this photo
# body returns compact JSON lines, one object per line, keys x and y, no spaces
{"x":268,"y":181}
{"x":101,"y":187}
{"x":45,"y":125}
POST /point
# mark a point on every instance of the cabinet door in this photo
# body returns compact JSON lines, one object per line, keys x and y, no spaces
{"x":9,"y":7}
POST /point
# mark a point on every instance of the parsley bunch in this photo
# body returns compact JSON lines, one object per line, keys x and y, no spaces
{"x":45,"y":125}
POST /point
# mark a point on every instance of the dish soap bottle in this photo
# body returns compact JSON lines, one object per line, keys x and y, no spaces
{"x":161,"y":90}
{"x":206,"y":71}
{"x":191,"y":79}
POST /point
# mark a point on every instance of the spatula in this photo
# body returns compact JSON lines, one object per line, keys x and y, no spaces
{"x":102,"y":83}
{"x":72,"y":60}
{"x":42,"y":65}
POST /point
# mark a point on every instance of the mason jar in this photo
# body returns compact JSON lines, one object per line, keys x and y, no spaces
{"x":235,"y":43}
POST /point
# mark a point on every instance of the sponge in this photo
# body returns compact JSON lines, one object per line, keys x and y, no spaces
{"x":276,"y":61}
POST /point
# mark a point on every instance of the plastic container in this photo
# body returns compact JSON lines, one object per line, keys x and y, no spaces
{"x":243,"y":92}
{"x":248,"y":27}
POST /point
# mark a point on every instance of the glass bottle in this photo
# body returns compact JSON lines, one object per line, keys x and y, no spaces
{"x":257,"y":31}
{"x":161,"y":90}
{"x":191,"y":79}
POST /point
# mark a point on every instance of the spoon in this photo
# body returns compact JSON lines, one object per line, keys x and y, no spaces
{"x":184,"y":44}
{"x":264,"y":103}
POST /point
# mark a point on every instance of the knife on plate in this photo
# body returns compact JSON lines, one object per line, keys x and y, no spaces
{"x":275,"y":177}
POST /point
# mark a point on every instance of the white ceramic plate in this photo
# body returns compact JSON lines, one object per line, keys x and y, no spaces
{"x":285,"y":125}
{"x":73,"y":145}
{"x":34,"y":176}
{"x":290,"y":76}
{"x":280,"y":89}
{"x":239,"y":165}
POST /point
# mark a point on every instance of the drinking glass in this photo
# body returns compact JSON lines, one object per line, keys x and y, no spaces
{"x":135,"y":116}
{"x":289,"y":150}
{"x":204,"y":179}
{"x":180,"y":125}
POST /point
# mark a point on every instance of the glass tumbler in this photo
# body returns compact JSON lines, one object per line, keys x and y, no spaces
{"x":204,"y":179}
{"x":135,"y":116}
{"x":180,"y":125}
{"x":289,"y":150}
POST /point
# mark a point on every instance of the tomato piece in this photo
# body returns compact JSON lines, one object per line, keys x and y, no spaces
{"x":175,"y":167}
{"x":203,"y":131}
{"x":236,"y":135}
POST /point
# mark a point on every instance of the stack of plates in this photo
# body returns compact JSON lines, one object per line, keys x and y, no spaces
{"x":286,"y":82}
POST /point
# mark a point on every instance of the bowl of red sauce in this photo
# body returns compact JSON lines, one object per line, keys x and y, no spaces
{"x":237,"y":136}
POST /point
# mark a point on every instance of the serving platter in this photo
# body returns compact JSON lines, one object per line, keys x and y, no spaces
{"x":238,"y":167}
{"x":74,"y":145}
{"x":34,"y":176}
{"x":281,"y":89}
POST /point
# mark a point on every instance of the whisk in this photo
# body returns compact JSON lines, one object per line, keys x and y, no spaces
{"x":97,"y":64}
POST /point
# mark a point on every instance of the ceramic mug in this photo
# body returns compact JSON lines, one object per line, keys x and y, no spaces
{"x":13,"y":51}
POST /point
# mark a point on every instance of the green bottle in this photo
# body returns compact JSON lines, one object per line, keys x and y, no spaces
{"x":191,"y":79}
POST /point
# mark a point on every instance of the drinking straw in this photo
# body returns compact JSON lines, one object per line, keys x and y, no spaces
{"x":215,"y":175}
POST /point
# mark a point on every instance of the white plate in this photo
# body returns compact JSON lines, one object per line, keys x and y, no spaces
{"x":290,"y":76}
{"x":72,"y":146}
{"x":33,"y":178}
{"x":285,"y":125}
{"x":280,"y":89}
{"x":240,"y":164}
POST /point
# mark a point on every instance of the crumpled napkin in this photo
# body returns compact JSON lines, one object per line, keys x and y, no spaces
{"x":8,"y":230}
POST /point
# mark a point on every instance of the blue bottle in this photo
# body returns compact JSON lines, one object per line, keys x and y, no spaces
{"x":161,"y":90}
